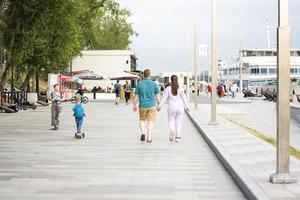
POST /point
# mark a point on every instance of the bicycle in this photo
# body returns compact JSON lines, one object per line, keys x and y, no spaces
{"x":84,"y":99}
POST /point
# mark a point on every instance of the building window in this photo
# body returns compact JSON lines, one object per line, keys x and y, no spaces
{"x":254,"y":71}
{"x":272,"y":71}
{"x":133,"y":63}
{"x":269,"y":53}
{"x":264,"y":71}
{"x":294,"y":71}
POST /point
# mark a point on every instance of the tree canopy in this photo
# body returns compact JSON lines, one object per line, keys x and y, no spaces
{"x":44,"y":36}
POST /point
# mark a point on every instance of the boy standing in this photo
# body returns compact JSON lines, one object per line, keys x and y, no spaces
{"x":56,"y":107}
{"x":78,"y":114}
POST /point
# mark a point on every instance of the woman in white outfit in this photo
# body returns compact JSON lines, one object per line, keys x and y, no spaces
{"x":177,"y":103}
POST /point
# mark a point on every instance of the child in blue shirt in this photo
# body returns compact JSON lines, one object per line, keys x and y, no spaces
{"x":78,"y":114}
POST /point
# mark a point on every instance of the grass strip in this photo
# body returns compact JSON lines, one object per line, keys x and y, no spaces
{"x":293,"y":152}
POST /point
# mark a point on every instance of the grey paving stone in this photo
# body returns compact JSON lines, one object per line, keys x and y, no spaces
{"x":256,"y":158}
{"x":110,"y":163}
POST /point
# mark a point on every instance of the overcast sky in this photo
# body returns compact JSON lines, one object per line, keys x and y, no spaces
{"x":165,"y":29}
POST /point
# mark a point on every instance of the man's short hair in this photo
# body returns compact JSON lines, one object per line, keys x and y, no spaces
{"x":55,"y":85}
{"x":147,"y":73}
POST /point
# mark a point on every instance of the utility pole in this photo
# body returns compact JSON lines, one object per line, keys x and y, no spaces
{"x":196,"y":56}
{"x":187,"y":53}
{"x":269,"y":37}
{"x":214,"y":66}
{"x":282,"y":174}
{"x":228,"y":67}
{"x":241,"y":68}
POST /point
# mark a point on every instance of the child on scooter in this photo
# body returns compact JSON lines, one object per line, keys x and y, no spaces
{"x":78,"y":114}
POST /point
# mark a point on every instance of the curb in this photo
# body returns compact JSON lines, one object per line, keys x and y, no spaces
{"x":246,"y":184}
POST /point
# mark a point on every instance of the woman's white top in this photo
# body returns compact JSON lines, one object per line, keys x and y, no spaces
{"x":178,"y":100}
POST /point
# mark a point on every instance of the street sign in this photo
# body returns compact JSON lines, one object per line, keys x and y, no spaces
{"x":203,"y":50}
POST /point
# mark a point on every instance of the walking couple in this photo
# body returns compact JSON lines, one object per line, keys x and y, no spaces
{"x":147,"y":94}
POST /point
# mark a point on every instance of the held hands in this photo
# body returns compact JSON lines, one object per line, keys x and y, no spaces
{"x":158,"y":108}
{"x":187,"y":110}
{"x":134,"y":108}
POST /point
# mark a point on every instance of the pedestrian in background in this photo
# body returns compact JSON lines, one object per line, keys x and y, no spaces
{"x":219,"y":90}
{"x":117,"y":88}
{"x":127,"y":89}
{"x":208,"y":90}
{"x":177,"y":103}
{"x":233,"y":89}
{"x":94,"y":90}
{"x":56,"y":98}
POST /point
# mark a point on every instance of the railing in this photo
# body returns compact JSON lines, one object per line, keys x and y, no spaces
{"x":13,"y":98}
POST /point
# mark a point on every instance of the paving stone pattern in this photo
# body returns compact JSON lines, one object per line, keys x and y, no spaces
{"x":110,"y":163}
{"x":256,"y":158}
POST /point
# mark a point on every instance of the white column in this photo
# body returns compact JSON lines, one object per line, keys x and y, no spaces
{"x":196,"y":55}
{"x":282,"y":174}
{"x":214,"y":65}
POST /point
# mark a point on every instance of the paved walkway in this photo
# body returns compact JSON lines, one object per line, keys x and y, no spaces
{"x":111,"y":163}
{"x":259,"y":115}
{"x":249,"y":157}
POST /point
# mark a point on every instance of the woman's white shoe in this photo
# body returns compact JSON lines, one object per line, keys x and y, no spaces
{"x":177,"y":140}
{"x":171,"y":137}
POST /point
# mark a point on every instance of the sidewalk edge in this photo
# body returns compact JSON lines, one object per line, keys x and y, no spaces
{"x":247,"y":185}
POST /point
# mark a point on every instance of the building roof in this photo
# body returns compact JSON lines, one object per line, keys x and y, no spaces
{"x":109,"y":53}
{"x":267,"y":50}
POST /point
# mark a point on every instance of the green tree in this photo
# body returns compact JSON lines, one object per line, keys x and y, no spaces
{"x":110,"y":28}
{"x":43,"y":36}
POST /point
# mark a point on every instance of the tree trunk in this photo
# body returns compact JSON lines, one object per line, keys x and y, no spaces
{"x":37,"y":81}
{"x":26,"y":84}
{"x":6,"y":70}
{"x":9,"y":64}
{"x":4,"y":77}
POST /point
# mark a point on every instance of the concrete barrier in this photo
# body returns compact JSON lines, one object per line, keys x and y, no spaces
{"x":32,"y":98}
{"x":295,"y":112}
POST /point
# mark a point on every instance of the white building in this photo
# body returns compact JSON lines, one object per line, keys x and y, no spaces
{"x":259,"y":67}
{"x":182,"y":77}
{"x":105,"y":63}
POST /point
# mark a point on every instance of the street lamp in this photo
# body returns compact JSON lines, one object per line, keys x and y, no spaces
{"x":196,"y":57}
{"x":214,"y":67}
{"x":282,"y":174}
{"x":241,"y":68}
{"x":187,"y":53}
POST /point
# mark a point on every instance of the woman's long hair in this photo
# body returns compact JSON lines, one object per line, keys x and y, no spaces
{"x":174,"y":85}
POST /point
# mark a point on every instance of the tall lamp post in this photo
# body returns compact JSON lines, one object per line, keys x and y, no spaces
{"x":282,"y":174}
{"x":196,"y":56}
{"x":187,"y":53}
{"x":214,"y":66}
{"x":241,"y":68}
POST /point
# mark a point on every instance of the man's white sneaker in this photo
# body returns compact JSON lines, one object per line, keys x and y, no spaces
{"x":177,"y":140}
